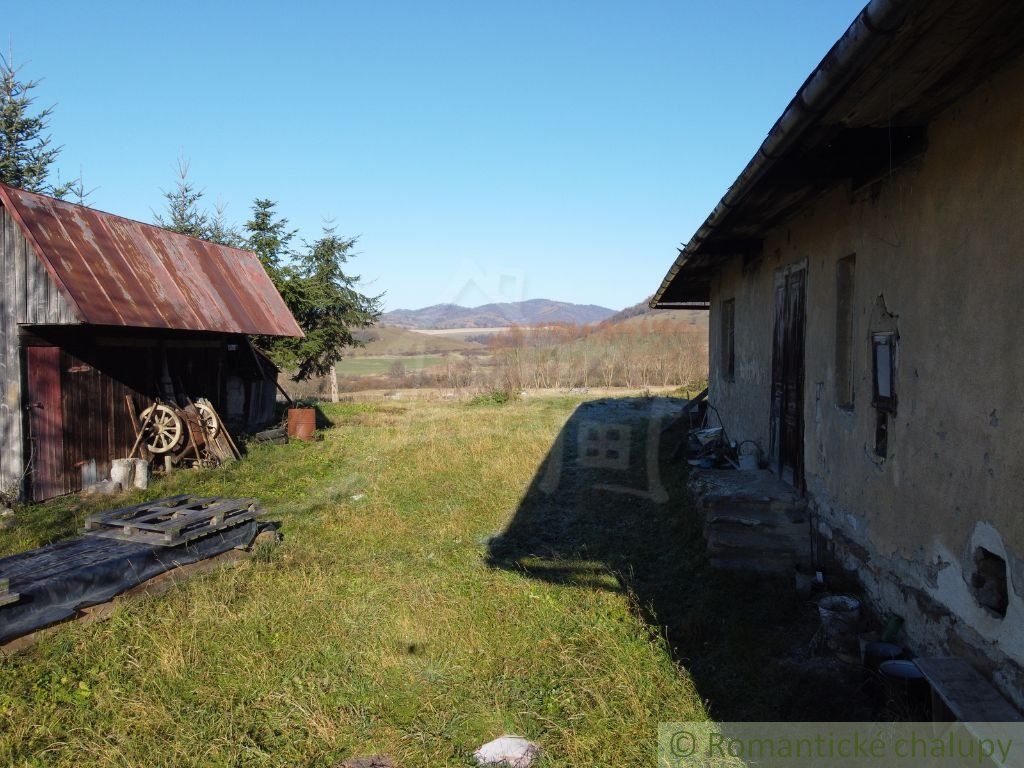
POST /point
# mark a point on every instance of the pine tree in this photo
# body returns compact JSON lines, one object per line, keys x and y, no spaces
{"x":74,"y":190}
{"x":268,"y":236}
{"x":26,"y":149}
{"x":326,"y":304}
{"x":220,"y":231}
{"x":333,"y":306}
{"x":183,"y":212}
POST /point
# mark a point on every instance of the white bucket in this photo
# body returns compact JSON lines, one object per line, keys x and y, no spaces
{"x":748,"y":462}
{"x":141,"y":474}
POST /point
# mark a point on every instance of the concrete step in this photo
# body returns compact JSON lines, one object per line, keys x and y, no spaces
{"x":754,"y":514}
{"x":756,"y":541}
{"x":767,"y":563}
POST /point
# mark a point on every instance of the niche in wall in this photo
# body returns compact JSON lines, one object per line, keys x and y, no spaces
{"x":988,"y":582}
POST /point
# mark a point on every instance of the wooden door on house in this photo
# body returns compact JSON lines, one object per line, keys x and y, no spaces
{"x":787,"y":414}
{"x":46,"y":423}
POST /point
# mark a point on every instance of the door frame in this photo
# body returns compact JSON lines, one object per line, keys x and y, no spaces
{"x":789,"y":468}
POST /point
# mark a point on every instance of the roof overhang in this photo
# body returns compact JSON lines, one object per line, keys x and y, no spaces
{"x":863,"y":111}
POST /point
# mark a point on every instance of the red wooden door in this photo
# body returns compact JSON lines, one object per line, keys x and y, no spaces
{"x":46,"y":423}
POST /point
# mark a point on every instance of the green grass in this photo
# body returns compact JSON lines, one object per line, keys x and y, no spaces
{"x":377,"y":366}
{"x":392,"y":624}
{"x":493,"y":397}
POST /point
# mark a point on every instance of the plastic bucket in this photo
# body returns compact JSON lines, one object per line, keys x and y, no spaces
{"x":301,"y":423}
{"x":748,"y":462}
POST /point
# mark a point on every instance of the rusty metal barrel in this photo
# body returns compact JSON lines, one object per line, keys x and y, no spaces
{"x":301,"y":423}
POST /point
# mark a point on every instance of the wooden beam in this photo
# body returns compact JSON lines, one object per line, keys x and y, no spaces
{"x":966,"y":695}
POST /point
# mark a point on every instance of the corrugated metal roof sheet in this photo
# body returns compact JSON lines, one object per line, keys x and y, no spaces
{"x":115,"y":271}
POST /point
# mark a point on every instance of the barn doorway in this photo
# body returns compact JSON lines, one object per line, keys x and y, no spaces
{"x":46,"y":423}
{"x":787,"y":414}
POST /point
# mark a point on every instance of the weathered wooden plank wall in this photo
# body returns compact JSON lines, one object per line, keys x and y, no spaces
{"x":262,"y":402}
{"x":96,"y":422}
{"x":27,"y":295}
{"x":10,"y":370}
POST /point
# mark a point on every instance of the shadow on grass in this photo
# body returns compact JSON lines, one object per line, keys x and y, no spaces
{"x":608,"y":509}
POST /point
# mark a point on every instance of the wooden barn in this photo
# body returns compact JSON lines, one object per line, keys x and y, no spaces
{"x":101,"y":315}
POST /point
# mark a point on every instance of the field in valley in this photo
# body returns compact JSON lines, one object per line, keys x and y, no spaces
{"x":383,"y":364}
{"x":464,"y":333}
{"x":636,"y":351}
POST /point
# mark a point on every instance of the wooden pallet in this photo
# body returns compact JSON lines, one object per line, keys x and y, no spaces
{"x":6,"y":596}
{"x":172,"y":521}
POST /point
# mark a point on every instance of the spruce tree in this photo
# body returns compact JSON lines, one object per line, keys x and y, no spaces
{"x":220,"y":231}
{"x":183,"y":212}
{"x":26,"y":149}
{"x":268,"y":236}
{"x":332,"y":307}
{"x":325,"y":302}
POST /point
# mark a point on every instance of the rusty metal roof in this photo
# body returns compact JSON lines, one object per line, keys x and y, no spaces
{"x":120,"y":272}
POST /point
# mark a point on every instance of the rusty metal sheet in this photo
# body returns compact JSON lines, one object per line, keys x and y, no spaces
{"x":120,"y":272}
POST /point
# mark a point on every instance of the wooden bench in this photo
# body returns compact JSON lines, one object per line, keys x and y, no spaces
{"x":960,"y":693}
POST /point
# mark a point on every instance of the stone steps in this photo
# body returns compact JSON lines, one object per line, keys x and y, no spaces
{"x":752,"y":521}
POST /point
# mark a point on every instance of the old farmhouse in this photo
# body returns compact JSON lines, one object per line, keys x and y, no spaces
{"x":863,"y":277}
{"x":97,"y":311}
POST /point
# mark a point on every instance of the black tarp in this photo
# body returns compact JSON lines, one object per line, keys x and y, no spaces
{"x":55,"y":581}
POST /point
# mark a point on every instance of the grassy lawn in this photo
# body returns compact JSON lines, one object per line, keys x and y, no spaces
{"x":396,"y":623}
{"x":376,"y":366}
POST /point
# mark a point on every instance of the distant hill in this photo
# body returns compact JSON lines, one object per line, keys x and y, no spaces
{"x":532,"y":312}
{"x":641,"y":311}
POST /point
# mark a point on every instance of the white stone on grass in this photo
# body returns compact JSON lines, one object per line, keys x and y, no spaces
{"x":508,"y":750}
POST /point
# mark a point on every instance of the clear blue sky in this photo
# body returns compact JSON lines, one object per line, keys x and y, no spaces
{"x":481,"y":149}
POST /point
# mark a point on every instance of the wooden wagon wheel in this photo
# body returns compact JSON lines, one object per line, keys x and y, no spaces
{"x":209,"y":419}
{"x":165,"y":430}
